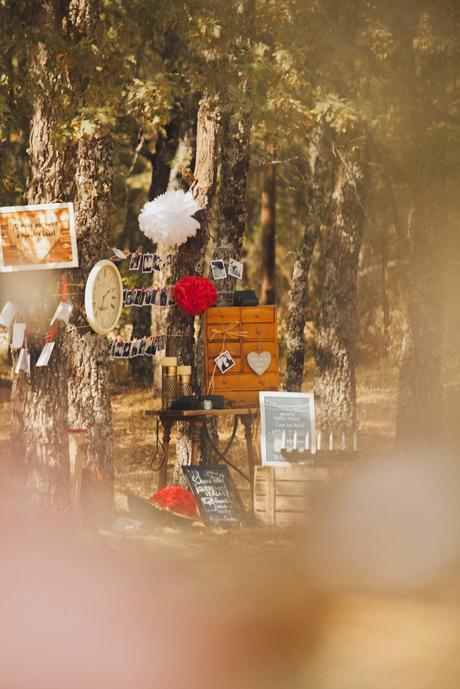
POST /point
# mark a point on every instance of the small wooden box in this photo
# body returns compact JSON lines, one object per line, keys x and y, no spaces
{"x":240,"y":330}
{"x":281,"y":494}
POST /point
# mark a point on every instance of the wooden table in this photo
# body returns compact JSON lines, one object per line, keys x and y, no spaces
{"x":196,"y":418}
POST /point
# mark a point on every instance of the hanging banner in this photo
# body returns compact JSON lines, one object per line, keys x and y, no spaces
{"x":38,"y":237}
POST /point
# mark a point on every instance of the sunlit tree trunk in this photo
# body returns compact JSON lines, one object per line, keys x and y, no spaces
{"x":420,"y":394}
{"x":189,"y":258}
{"x":87,"y":352}
{"x":318,"y":206}
{"x":39,"y":405}
{"x":335,"y":347}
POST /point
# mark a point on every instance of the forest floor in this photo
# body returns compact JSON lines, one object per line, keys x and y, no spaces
{"x":291,"y":634}
{"x":135,"y":431}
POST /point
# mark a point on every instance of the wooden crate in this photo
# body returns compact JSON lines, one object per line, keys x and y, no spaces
{"x":245,"y":326}
{"x":281,"y":494}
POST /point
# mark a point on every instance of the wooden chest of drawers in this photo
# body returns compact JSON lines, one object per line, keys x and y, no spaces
{"x":240,"y":330}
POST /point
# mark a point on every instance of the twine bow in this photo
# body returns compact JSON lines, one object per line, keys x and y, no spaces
{"x":229,"y":331}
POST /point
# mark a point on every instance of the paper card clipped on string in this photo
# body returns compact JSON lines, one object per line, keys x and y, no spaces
{"x":45,"y":354}
{"x":235,"y":269}
{"x":23,"y":362}
{"x":17,"y":338}
{"x":118,"y":253}
{"x":62,"y":313}
{"x":7,"y":314}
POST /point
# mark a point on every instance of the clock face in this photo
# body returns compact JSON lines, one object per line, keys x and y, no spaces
{"x":103,"y":297}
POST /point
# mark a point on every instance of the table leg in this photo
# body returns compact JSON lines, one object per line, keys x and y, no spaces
{"x":197,"y":425}
{"x":163,"y":473}
{"x":246,"y":420}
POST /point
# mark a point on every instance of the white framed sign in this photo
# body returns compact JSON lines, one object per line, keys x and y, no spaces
{"x":287,"y":421}
{"x":38,"y":237}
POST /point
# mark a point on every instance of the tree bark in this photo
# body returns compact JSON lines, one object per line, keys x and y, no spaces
{"x":420,"y":394}
{"x":268,"y":223}
{"x":189,"y":257}
{"x":335,"y":378}
{"x":39,"y":405}
{"x":319,"y":194}
{"x":87,"y":352}
{"x":73,"y":390}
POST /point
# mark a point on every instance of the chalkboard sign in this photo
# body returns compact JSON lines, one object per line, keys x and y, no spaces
{"x":287,"y":422}
{"x":216,"y":494}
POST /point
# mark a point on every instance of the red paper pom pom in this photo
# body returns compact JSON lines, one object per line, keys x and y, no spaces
{"x":194,"y":294}
{"x":176,"y":499}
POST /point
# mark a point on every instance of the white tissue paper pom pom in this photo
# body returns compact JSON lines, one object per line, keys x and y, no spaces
{"x":168,"y":219}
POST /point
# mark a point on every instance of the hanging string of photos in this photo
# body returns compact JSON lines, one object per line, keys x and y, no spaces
{"x":10,"y":318}
{"x":142,"y":262}
{"x":145,"y":346}
{"x":146,"y":296}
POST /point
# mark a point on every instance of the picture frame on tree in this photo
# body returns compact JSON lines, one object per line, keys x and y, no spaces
{"x":37,"y":237}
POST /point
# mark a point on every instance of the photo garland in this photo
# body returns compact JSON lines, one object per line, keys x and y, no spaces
{"x":146,"y":296}
{"x":145,"y":346}
{"x":142,"y":262}
{"x":10,"y":317}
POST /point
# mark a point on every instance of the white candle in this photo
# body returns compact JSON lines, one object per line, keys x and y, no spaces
{"x":355,"y":442}
{"x":307,"y":441}
{"x":343,"y":442}
{"x":294,"y":444}
{"x":283,"y":441}
{"x":331,"y":441}
{"x":318,"y":444}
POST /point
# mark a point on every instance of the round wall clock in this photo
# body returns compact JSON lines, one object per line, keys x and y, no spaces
{"x":103,"y":297}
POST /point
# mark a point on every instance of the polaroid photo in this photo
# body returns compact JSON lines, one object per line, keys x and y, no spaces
{"x":134,"y":348}
{"x":156,"y":264}
{"x":45,"y":354}
{"x":7,"y":314}
{"x":147,"y":263}
{"x":163,"y":297}
{"x":135,"y":262}
{"x":156,"y":298}
{"x":218,"y":269}
{"x":138,"y":297}
{"x":129,"y":297}
{"x":62,"y":313}
{"x":17,"y":338}
{"x":126,"y":350}
{"x":148,"y":346}
{"x":23,"y":362}
{"x":224,"y":361}
{"x":145,"y":296}
{"x":125,"y":294}
{"x":118,"y":349}
{"x":235,"y":269}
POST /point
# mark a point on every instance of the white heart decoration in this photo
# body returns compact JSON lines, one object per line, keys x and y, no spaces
{"x":259,"y":361}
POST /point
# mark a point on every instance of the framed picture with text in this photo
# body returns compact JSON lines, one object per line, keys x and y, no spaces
{"x":287,"y":420}
{"x":39,"y":237}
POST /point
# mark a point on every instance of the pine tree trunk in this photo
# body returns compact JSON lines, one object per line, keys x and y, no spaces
{"x":189,"y":258}
{"x":87,"y":352}
{"x":319,"y":193}
{"x":268,"y":223}
{"x":39,"y":405}
{"x":335,"y":382}
{"x":420,"y":394}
